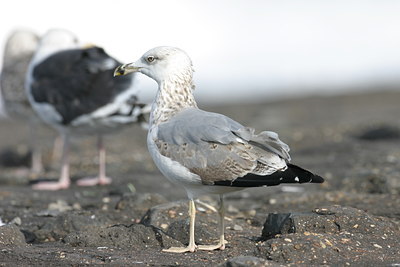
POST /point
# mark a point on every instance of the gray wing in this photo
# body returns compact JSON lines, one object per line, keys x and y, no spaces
{"x":218,"y":148}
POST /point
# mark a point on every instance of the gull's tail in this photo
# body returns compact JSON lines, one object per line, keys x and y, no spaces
{"x":293,"y":174}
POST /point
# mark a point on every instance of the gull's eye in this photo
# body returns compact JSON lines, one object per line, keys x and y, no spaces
{"x":150,"y":59}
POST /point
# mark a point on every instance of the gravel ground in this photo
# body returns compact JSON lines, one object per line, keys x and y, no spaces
{"x":351,"y":219}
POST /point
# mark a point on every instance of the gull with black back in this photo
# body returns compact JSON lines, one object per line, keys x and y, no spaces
{"x":72,"y":89}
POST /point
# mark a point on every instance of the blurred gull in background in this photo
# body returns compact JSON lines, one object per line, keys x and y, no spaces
{"x":18,"y":51}
{"x":73,"y":89}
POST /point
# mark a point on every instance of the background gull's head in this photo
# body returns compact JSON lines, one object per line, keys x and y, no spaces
{"x":55,"y":40}
{"x":59,"y":38}
{"x":21,"y":43}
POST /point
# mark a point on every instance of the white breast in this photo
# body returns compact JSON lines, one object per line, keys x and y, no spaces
{"x":172,"y":170}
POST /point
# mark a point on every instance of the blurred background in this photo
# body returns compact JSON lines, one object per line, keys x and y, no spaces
{"x":242,"y":51}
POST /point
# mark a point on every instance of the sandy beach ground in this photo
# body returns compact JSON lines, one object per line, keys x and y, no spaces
{"x":353,"y":141}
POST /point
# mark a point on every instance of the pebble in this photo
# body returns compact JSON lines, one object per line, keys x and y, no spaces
{"x":237,"y":227}
{"x":17,"y":221}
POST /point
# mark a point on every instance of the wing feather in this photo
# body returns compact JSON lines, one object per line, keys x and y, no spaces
{"x":207,"y":144}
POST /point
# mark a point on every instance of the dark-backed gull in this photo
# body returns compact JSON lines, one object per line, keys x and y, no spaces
{"x":206,"y":153}
{"x":73,"y":89}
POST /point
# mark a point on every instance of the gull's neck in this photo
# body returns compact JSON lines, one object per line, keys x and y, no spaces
{"x":173,"y":95}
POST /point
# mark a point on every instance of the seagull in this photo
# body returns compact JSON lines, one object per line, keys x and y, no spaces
{"x":72,"y":89}
{"x":18,"y":51}
{"x":205,"y":152}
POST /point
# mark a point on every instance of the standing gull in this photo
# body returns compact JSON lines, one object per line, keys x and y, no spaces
{"x":73,"y":90}
{"x":206,"y":153}
{"x":18,"y":52}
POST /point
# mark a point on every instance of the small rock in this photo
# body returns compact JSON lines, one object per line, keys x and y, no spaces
{"x":60,"y":206}
{"x":323,"y":211}
{"x":76,"y":206}
{"x":273,"y":224}
{"x":383,"y":132}
{"x":237,"y":227}
{"x":297,"y":246}
{"x":17,"y":221}
{"x":10,"y":235}
{"x":232,"y":209}
{"x":244,"y":261}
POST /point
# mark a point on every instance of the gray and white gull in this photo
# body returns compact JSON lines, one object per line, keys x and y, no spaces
{"x":18,"y":51}
{"x":205,"y":152}
{"x":72,"y":89}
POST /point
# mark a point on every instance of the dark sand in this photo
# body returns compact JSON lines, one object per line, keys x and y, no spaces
{"x":353,"y":141}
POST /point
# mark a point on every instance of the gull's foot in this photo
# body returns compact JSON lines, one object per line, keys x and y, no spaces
{"x":220,"y":246}
{"x":92,"y":181}
{"x":212,"y":247}
{"x":181,"y":249}
{"x":51,"y":186}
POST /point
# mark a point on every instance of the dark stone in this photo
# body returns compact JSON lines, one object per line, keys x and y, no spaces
{"x":384,"y":132}
{"x":29,"y":236}
{"x":273,"y":225}
{"x":10,"y":235}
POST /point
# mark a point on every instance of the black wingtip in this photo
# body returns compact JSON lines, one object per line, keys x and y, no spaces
{"x":304,"y":175}
{"x":293,"y":174}
{"x":317,"y":179}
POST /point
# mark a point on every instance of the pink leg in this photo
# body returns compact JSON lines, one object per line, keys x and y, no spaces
{"x":36,"y":159}
{"x":102,"y":179}
{"x":64,"y":180}
{"x":36,"y":163}
{"x":57,"y":147}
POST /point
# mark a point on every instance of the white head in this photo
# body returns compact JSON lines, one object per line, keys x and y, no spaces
{"x":54,"y":41}
{"x":21,"y":43}
{"x":161,"y":63}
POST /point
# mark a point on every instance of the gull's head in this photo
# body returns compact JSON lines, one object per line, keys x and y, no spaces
{"x":59,"y":39}
{"x":161,"y":63}
{"x":53,"y":41}
{"x":20,"y":43}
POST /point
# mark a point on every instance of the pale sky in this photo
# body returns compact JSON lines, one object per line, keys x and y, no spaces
{"x":247,"y":49}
